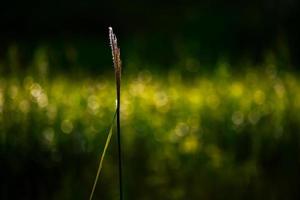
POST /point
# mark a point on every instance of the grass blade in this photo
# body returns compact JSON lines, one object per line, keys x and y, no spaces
{"x":103,"y":155}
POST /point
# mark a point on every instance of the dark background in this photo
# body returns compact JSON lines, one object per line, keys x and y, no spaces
{"x":159,"y":32}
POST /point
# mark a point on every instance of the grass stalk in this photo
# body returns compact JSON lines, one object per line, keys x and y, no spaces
{"x":117,"y":66}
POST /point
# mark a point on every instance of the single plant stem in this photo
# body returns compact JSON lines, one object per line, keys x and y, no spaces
{"x":119,"y":141}
{"x":117,"y":66}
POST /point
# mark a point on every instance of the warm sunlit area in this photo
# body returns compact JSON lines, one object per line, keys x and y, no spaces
{"x":210,"y":100}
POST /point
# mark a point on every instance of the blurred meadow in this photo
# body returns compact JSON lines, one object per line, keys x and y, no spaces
{"x":206,"y":112}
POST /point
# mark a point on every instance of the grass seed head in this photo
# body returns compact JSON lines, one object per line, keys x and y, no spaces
{"x":115,"y":54}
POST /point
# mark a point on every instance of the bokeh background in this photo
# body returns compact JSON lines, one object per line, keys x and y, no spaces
{"x":210,"y":99}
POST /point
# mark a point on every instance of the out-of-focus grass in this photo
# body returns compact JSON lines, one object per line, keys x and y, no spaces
{"x":211,"y":137}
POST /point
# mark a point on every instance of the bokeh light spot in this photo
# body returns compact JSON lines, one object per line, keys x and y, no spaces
{"x":67,"y":126}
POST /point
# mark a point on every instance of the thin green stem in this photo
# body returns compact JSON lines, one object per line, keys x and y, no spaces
{"x":119,"y":141}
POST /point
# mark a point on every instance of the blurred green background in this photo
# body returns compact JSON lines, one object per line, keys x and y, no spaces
{"x":210,"y":99}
